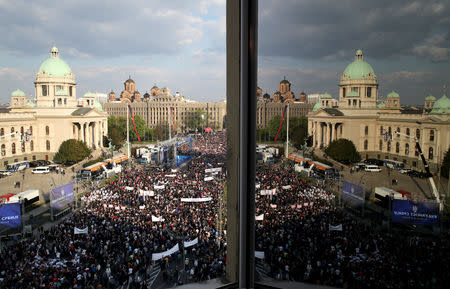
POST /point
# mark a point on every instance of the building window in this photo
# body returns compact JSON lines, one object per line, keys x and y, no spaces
{"x":47,"y":130}
{"x":44,"y":90}
{"x":59,"y":100}
{"x":366,"y":144}
{"x":369,"y":92}
{"x":31,"y":145}
{"x":407,"y":149}
{"x":23,"y":146}
{"x":13,"y":148}
{"x":407,"y":131}
{"x":398,"y":131}
{"x":416,"y":152}
{"x":366,"y":130}
{"x":48,"y":145}
{"x":3,"y":150}
{"x":21,"y":130}
{"x":390,"y":131}
{"x":397,"y":147}
{"x":380,"y":145}
{"x":418,"y":133}
{"x":12,"y":130}
{"x":414,"y":164}
{"x":70,"y":90}
{"x":430,"y":153}
{"x":2,"y":131}
{"x":34,"y":158}
{"x":389,"y":146}
{"x":65,"y":100}
{"x":431,"y":135}
{"x":381,"y":130}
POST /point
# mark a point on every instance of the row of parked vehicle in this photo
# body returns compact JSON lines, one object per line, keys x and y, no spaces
{"x":373,"y":165}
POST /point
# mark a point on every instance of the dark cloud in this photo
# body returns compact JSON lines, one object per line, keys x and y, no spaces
{"x":332,"y":30}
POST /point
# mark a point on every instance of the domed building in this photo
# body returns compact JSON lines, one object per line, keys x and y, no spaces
{"x":364,"y":119}
{"x":130,"y":94}
{"x":34,"y":128}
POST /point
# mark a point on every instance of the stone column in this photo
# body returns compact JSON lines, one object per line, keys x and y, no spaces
{"x":320,"y":129}
{"x":333,"y":132}
{"x":83,"y":131}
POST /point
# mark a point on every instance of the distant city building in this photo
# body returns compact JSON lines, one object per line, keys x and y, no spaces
{"x":313,"y":98}
{"x":155,"y":110}
{"x":360,"y":117}
{"x":35,"y":128}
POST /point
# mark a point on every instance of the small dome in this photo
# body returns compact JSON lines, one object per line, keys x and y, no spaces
{"x":284,"y":81}
{"x":430,"y":97}
{"x":316,"y":107}
{"x":129,"y":80}
{"x":98,"y":105}
{"x":358,"y":69}
{"x":352,"y":94}
{"x":381,"y":105}
{"x":55,"y":66}
{"x":18,"y":92}
{"x":61,"y":92}
{"x":393,"y":94}
{"x":441,"y":106}
{"x":326,"y":95}
{"x":88,"y":94}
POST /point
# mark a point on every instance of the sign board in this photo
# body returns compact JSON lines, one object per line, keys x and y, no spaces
{"x":416,"y":213}
{"x":10,"y":216}
{"x":62,"y":196}
{"x":207,"y":129}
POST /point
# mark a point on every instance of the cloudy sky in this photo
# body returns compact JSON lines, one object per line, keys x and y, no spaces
{"x":181,"y":44}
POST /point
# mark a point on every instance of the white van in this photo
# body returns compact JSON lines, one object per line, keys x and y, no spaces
{"x":372,"y":168}
{"x":41,"y":170}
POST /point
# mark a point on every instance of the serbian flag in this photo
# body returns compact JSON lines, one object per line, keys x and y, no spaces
{"x":281,"y":123}
{"x":171,"y":115}
{"x":132,"y":118}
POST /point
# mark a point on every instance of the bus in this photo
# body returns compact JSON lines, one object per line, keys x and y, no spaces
{"x":115,"y":160}
{"x":18,"y":166}
{"x":393,"y":164}
{"x":93,"y":170}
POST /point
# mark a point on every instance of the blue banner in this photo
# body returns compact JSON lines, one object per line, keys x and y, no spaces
{"x":62,"y":196}
{"x":352,"y":194}
{"x":416,"y":213}
{"x":10,"y":216}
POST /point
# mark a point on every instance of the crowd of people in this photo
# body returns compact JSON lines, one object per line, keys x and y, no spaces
{"x":300,"y":234}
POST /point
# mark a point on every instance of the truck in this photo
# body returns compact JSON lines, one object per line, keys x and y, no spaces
{"x":383,"y":196}
{"x":29,"y":196}
{"x":146,"y":158}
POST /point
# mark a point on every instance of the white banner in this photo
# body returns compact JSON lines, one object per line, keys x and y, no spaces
{"x":207,"y":179}
{"x":156,"y":219}
{"x":257,"y":186}
{"x":268,"y":192}
{"x":77,"y":231}
{"x":273,"y":206}
{"x":286,"y":187}
{"x":196,"y":200}
{"x":174,"y":170}
{"x":129,"y":188}
{"x":142,"y":207}
{"x":147,"y":193}
{"x":171,"y":176}
{"x":187,"y":244}
{"x":259,"y":218}
{"x":259,"y":254}
{"x":335,"y":228}
{"x":161,"y":187}
{"x":213,"y":170}
{"x":157,"y":256}
{"x":110,"y":206}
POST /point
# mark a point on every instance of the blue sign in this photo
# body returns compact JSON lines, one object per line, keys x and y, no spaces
{"x":352,"y":194}
{"x":416,"y":213}
{"x":62,"y":196}
{"x":10,"y":216}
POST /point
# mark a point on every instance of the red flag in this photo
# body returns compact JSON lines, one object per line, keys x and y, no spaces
{"x":171,"y":115}
{"x":132,"y":118}
{"x":281,"y":123}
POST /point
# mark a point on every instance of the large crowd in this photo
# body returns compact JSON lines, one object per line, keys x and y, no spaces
{"x":302,"y":234}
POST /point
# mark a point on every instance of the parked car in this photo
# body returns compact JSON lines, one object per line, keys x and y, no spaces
{"x":404,"y":170}
{"x":5,"y":173}
{"x":43,"y":163}
{"x":41,"y":170}
{"x":34,"y":164}
{"x":374,"y":162}
{"x":372,"y":168}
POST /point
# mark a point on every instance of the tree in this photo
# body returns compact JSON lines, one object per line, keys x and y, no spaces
{"x":344,"y":151}
{"x":195,"y":120}
{"x":445,"y":164}
{"x":298,"y":129}
{"x":72,"y":150}
{"x":119,"y":126}
{"x":116,"y":137}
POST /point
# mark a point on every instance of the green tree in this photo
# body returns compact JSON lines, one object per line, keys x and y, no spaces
{"x":72,"y":151}
{"x":298,"y":129}
{"x":445,"y":164}
{"x":161,"y":131}
{"x":344,"y":151}
{"x":195,"y":120}
{"x":116,"y":137}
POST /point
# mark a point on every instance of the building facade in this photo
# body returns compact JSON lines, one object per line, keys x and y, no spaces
{"x":155,"y":110}
{"x":33,"y":129}
{"x":367,"y":121}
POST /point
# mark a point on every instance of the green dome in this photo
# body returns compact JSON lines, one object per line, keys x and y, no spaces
{"x":88,"y":94}
{"x":55,"y":66}
{"x":381,"y":105}
{"x":61,"y":92}
{"x":18,"y":92}
{"x":325,"y":95}
{"x":430,"y":97}
{"x":98,"y":105}
{"x":352,"y":94}
{"x":393,"y":94}
{"x":442,"y":106}
{"x":358,"y":69}
{"x":316,"y":107}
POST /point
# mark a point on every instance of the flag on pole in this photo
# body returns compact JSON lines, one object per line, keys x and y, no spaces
{"x":281,"y":123}
{"x":132,"y":118}
{"x":171,"y":115}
